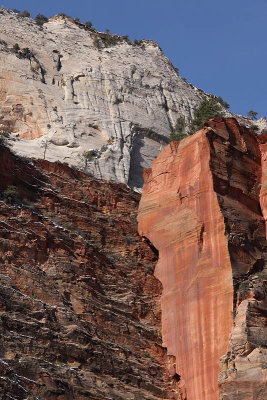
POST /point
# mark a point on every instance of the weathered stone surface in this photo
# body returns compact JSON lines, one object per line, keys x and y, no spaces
{"x":200,"y":208}
{"x":70,"y":96}
{"x":263,"y":191}
{"x":121,"y":100}
{"x":79,"y":306}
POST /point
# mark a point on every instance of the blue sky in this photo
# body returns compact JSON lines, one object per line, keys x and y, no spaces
{"x":219,"y":46}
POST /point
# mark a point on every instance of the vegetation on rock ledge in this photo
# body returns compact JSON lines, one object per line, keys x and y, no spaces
{"x":178,"y":132}
{"x":208,"y":108}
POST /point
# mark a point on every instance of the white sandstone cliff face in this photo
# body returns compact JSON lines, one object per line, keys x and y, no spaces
{"x":71,"y":97}
{"x":121,"y":100}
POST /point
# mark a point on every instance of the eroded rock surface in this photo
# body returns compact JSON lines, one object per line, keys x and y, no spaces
{"x":73,"y":96}
{"x":201,"y":209}
{"x":79,"y":305}
{"x":71,"y":92}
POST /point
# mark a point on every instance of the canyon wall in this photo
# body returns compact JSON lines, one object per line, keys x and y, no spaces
{"x":70,"y":90}
{"x":73,"y":95}
{"x":79,"y":305}
{"x":201,"y":209}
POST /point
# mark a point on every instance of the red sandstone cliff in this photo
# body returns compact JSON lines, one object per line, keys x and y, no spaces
{"x":79,"y":306}
{"x":201,"y":209}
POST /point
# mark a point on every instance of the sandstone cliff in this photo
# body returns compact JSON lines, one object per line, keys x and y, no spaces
{"x":71,"y":91}
{"x":79,"y":306}
{"x":121,"y":101}
{"x":202,"y":209}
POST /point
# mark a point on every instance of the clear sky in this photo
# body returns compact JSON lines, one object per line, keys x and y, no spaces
{"x":219,"y":46}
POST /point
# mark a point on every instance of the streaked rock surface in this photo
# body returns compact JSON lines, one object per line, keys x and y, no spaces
{"x":201,"y":209}
{"x":120,"y":100}
{"x":69,"y":97}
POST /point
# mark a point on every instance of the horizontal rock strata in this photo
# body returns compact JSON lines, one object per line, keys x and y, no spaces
{"x":79,"y":306}
{"x":200,"y":208}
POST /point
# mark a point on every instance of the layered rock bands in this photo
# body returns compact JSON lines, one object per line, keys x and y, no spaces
{"x":202,"y":207}
{"x":79,"y":305}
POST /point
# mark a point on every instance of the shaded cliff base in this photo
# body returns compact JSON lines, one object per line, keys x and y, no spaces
{"x":204,"y":208}
{"x":79,"y":305}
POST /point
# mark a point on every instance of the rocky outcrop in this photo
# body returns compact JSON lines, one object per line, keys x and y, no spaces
{"x":79,"y":306}
{"x":70,"y":90}
{"x":77,"y":92}
{"x":201,"y":209}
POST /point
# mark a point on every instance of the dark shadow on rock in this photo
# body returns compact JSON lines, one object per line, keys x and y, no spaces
{"x":136,"y":167}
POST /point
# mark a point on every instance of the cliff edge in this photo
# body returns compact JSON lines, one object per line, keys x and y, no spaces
{"x":76,"y":90}
{"x":67,"y":90}
{"x":201,"y":208}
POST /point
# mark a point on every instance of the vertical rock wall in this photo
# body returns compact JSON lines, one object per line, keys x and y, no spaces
{"x":237,"y":172}
{"x":200,"y":208}
{"x":75,"y":92}
{"x":74,"y":96}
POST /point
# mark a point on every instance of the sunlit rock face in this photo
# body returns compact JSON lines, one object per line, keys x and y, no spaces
{"x":71,"y":96}
{"x":72,"y":92}
{"x":201,"y":209}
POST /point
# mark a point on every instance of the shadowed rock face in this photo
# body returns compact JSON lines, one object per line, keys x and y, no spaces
{"x":201,"y":209}
{"x":79,"y":306}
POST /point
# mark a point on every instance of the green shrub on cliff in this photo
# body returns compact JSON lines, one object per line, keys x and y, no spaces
{"x":137,"y":42}
{"x":97,"y":43}
{"x":111,"y":40}
{"x":222,"y":102}
{"x":88,"y":24}
{"x":41,"y":19}
{"x":178,"y":132}
{"x":24,"y":14}
{"x":26,"y":53}
{"x":10,"y":194}
{"x":88,"y":156}
{"x":252,"y":114}
{"x":16,"y":48}
{"x":208,"y":108}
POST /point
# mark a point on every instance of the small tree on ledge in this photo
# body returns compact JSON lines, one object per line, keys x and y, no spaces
{"x":252,"y":114}
{"x":88,"y":24}
{"x":178,"y":132}
{"x":208,"y":108}
{"x":24,"y":14}
{"x":41,"y":19}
